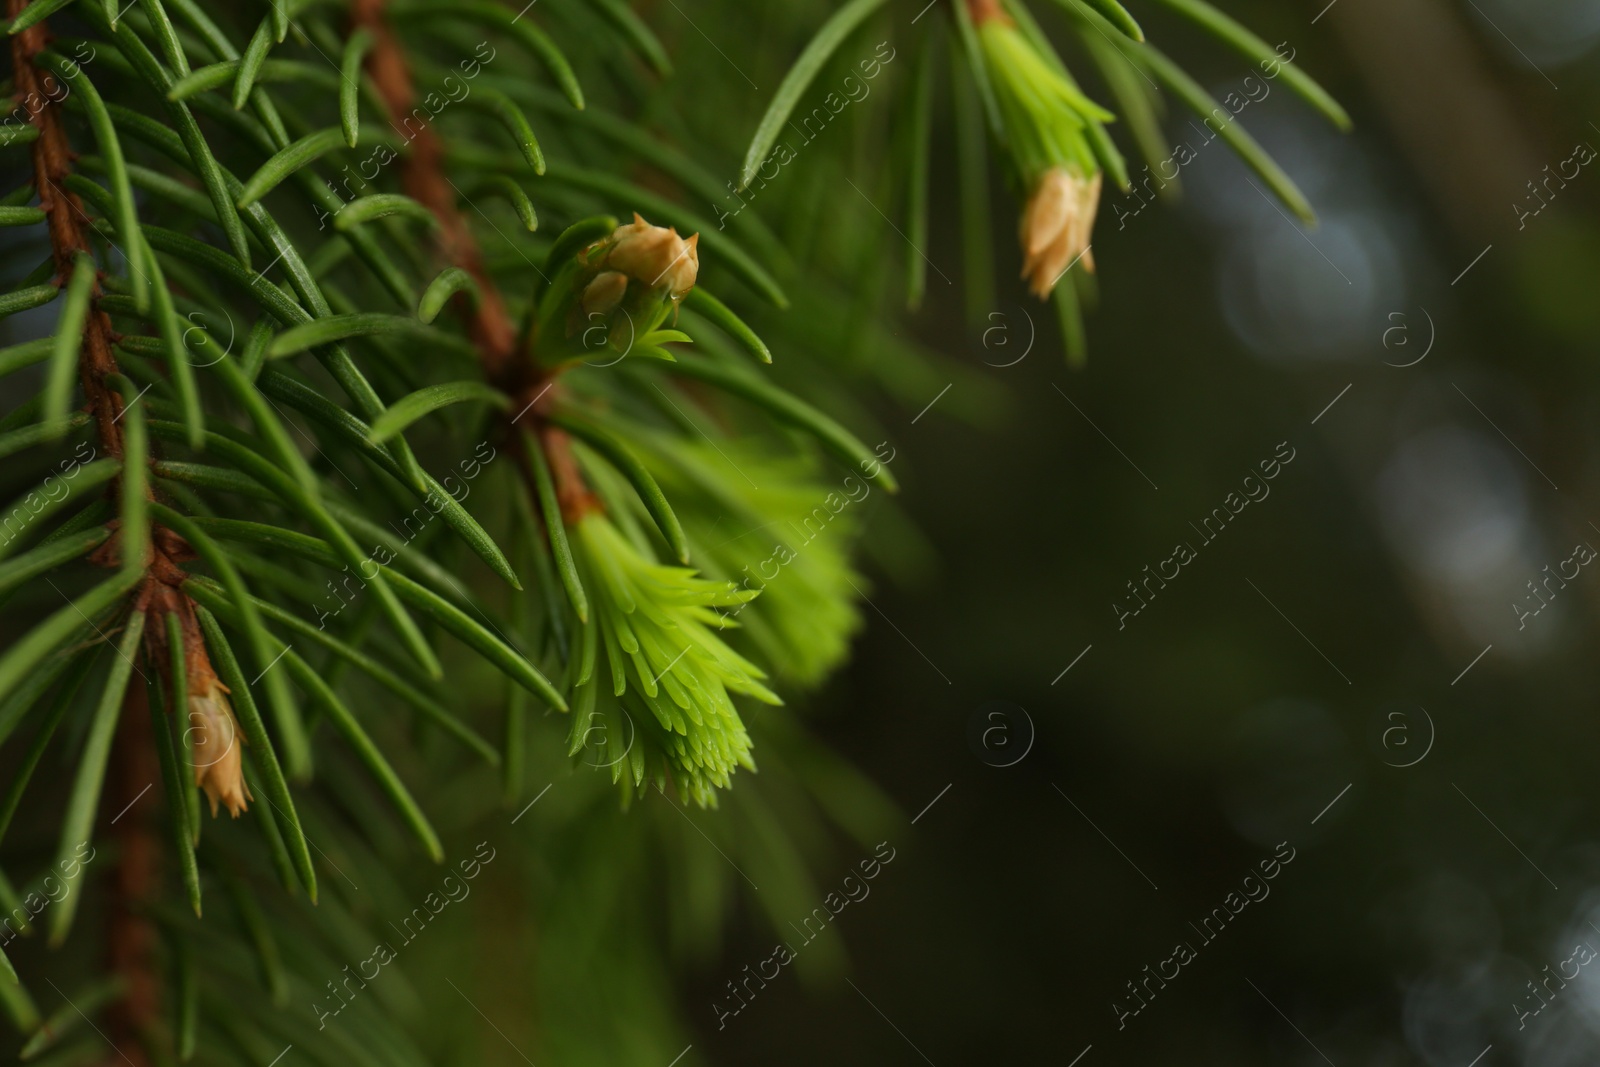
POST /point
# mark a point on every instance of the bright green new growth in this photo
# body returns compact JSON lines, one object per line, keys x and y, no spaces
{"x":660,"y":644}
{"x":1046,"y":117}
{"x":1038,"y":119}
{"x":788,"y":536}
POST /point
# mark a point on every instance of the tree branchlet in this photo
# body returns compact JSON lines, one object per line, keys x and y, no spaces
{"x":134,"y":880}
{"x":489,"y":324}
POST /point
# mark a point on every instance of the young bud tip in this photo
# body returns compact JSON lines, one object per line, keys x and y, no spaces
{"x":1057,"y":225}
{"x":217,"y":746}
{"x":654,"y":256}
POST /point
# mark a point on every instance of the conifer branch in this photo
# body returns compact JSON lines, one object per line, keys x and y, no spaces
{"x":68,"y":225}
{"x":134,"y":880}
{"x":67,"y":222}
{"x":425,"y":181}
{"x":488,"y":322}
{"x":661,"y":626}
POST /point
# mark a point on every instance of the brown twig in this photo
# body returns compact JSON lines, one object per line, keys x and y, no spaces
{"x":130,"y":935}
{"x":52,"y":162}
{"x":425,"y":181}
{"x":488,"y":322}
{"x":984,"y":10}
{"x":572,"y":494}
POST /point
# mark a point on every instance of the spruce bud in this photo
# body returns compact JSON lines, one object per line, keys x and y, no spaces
{"x":1057,"y":225}
{"x":215,"y":741}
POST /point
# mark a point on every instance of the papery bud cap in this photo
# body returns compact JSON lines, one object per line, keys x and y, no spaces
{"x":217,"y":746}
{"x":655,"y":256}
{"x":1057,"y":225}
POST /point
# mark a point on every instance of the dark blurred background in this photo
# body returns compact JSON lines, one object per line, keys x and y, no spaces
{"x":1305,"y":680}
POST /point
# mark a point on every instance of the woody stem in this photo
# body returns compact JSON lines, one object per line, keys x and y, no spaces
{"x":67,"y":221}
{"x":984,"y":10}
{"x":425,"y":181}
{"x":488,"y":322}
{"x":130,"y":935}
